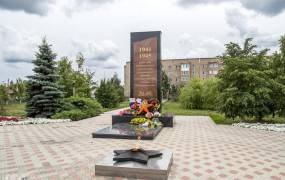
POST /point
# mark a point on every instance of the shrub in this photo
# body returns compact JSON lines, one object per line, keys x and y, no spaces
{"x":107,"y":94}
{"x":77,"y":108}
{"x":74,"y":115}
{"x":200,"y":94}
{"x":210,"y":94}
{"x":218,"y":118}
{"x":191,"y":96}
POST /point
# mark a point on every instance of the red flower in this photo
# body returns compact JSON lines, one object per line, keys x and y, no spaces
{"x":9,"y":118}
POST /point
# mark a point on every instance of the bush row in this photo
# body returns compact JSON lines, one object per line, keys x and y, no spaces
{"x":77,"y":108}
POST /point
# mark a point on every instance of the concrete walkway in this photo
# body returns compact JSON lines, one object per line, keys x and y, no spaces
{"x":202,"y":150}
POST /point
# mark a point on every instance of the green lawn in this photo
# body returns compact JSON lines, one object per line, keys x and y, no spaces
{"x":177,"y":109}
{"x":14,"y":110}
{"x":218,"y":118}
{"x":19,"y":109}
{"x":173,"y":107}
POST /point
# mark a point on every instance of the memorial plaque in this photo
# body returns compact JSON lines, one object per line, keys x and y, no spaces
{"x":145,"y":65}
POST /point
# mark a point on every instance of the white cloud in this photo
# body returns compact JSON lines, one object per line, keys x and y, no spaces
{"x":42,"y":7}
{"x":203,"y":46}
{"x":72,"y":6}
{"x":39,"y":7}
{"x":267,"y":7}
{"x":239,"y":21}
{"x":102,"y":54}
{"x":17,"y":46}
{"x":101,"y":31}
{"x":111,"y":64}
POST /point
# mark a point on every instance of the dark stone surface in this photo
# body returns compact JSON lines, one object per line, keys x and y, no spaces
{"x":166,"y":120}
{"x":126,"y":131}
{"x":136,"y":155}
{"x":138,"y":37}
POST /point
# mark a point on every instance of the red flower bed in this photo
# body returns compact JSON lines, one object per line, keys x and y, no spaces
{"x":9,"y":118}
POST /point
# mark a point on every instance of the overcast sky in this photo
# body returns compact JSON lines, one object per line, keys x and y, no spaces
{"x":100,"y":29}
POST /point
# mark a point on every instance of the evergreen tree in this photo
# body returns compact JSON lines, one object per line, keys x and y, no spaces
{"x":174,"y":92}
{"x":165,"y":85}
{"x":43,"y":94}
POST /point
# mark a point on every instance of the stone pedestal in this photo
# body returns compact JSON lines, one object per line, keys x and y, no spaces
{"x":166,"y":120}
{"x":127,"y":131}
{"x":156,"y":168}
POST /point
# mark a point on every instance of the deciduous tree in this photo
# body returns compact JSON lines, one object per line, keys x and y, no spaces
{"x":244,"y":81}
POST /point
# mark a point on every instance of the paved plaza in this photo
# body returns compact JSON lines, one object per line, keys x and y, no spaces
{"x":202,"y":150}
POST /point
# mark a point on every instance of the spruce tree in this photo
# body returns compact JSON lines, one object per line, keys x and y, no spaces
{"x":43,"y":94}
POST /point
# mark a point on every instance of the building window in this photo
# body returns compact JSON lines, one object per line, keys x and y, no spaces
{"x":185,"y":72}
{"x":213,"y":65}
{"x":184,"y":67}
{"x":213,"y":72}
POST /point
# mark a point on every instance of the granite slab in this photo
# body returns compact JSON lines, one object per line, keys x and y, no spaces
{"x":127,"y":131}
{"x":167,"y":120}
{"x":157,"y":168}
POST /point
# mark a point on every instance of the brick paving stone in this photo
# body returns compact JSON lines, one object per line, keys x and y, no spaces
{"x":202,"y":150}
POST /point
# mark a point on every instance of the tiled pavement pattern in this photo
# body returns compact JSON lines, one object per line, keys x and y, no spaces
{"x":202,"y":150}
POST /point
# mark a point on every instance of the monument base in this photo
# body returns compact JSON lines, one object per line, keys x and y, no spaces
{"x":166,"y":120}
{"x":157,"y":168}
{"x":127,"y":131}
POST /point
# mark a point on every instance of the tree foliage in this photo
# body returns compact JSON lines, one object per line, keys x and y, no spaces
{"x":77,"y":108}
{"x":277,"y":76}
{"x":191,"y":96}
{"x":43,"y":94}
{"x":15,"y":91}
{"x":110,"y":92}
{"x":200,"y":94}
{"x":244,"y":82}
{"x":3,"y":97}
{"x":120,"y":89}
{"x":77,"y":82}
{"x":210,"y":94}
{"x":165,"y":85}
{"x":20,"y":90}
{"x":174,"y":92}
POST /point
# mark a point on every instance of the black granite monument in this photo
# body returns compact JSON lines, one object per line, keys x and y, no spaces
{"x":145,"y":83}
{"x":145,"y":72}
